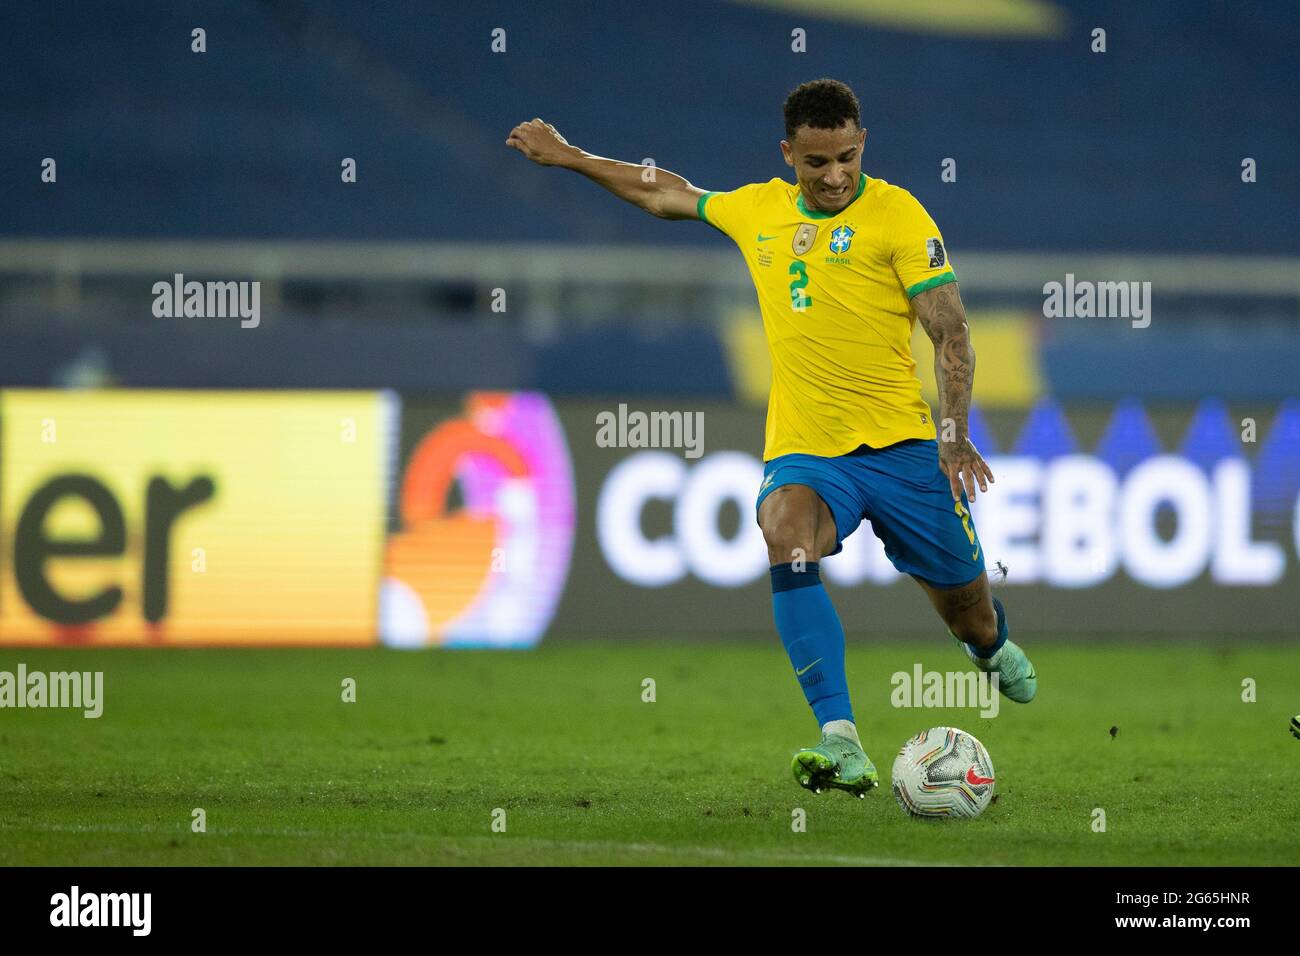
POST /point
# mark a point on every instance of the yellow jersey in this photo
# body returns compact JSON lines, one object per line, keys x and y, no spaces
{"x":835,"y":292}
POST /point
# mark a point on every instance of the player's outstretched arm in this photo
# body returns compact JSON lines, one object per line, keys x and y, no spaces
{"x":943,"y":317}
{"x":655,"y":190}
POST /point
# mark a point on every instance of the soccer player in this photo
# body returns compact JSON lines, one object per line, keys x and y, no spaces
{"x":843,"y":265}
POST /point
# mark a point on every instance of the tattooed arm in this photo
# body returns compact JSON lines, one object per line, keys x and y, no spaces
{"x":944,"y":319}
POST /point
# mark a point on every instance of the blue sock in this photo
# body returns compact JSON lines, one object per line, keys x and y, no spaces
{"x":813,"y":637}
{"x":1002,"y":633}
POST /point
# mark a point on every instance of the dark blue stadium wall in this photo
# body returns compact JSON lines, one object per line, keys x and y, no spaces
{"x":1057,"y":147}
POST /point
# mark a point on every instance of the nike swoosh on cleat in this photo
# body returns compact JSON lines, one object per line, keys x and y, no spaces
{"x":975,"y":779}
{"x":800,"y":673}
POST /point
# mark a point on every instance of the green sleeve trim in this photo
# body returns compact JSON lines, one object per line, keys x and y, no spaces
{"x":935,"y":282}
{"x":699,"y":207}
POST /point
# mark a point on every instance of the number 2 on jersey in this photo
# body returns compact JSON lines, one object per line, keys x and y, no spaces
{"x":799,"y":300}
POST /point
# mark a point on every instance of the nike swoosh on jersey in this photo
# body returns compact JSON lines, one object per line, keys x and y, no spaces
{"x":763,"y":238}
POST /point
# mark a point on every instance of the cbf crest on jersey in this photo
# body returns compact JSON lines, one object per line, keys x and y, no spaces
{"x":804,"y":237}
{"x":937,"y":255}
{"x":841,"y":239}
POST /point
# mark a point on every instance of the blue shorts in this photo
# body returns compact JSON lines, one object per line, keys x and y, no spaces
{"x":902,"y":491}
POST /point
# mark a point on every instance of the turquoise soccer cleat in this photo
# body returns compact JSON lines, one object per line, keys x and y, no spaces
{"x":835,"y":762}
{"x":1017,"y":678}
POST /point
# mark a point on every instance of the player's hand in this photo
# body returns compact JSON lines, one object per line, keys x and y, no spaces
{"x":540,"y":142}
{"x":964,"y":466}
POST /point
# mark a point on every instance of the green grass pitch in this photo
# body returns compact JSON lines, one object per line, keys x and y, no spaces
{"x":587,"y":773}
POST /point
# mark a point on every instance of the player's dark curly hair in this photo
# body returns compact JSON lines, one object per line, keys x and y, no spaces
{"x":821,"y":104}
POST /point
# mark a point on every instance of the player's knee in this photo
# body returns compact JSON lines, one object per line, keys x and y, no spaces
{"x":976,"y":626}
{"x":790,"y":522}
{"x":787,"y":542}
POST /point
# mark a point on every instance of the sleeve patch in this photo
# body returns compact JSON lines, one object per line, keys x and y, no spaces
{"x":934,"y":248}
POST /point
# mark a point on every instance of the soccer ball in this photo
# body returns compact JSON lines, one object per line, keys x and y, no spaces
{"x":943,"y":772}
